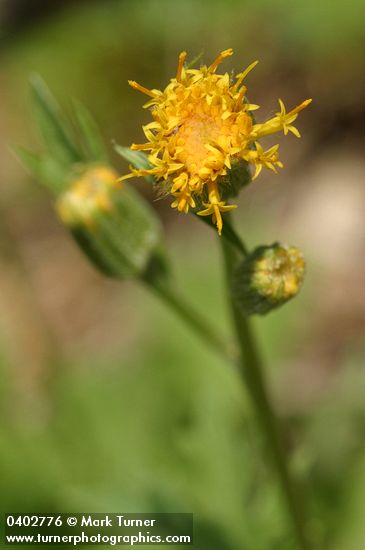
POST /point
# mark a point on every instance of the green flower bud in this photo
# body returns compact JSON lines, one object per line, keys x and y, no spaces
{"x":268,"y":277}
{"x":111,"y":222}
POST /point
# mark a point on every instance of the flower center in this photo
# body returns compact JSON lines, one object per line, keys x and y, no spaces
{"x":192,"y":136}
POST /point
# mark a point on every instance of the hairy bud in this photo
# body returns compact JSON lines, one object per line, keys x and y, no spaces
{"x":268,"y":277}
{"x":112,"y":223}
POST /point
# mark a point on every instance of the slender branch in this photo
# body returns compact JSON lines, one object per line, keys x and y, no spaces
{"x":251,"y":369}
{"x":193,"y":319}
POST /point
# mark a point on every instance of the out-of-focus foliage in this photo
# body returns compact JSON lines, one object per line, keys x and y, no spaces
{"x":163,"y":430}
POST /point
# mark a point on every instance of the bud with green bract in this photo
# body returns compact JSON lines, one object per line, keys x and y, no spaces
{"x":267,"y":278}
{"x":112,"y":223}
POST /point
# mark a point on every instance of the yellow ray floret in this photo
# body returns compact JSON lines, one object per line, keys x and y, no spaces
{"x":202,"y":123}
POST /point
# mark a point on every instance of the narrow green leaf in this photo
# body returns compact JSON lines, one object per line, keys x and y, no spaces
{"x":91,"y":139}
{"x":136,"y":159}
{"x":56,"y":133}
{"x":46,"y":170}
{"x":29,"y":160}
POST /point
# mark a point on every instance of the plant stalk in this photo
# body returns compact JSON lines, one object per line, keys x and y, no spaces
{"x":193,"y":319}
{"x":252,"y":371}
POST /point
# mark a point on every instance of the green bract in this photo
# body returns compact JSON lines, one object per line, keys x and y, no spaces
{"x":112,"y":223}
{"x":114,"y":226}
{"x":268,"y":277}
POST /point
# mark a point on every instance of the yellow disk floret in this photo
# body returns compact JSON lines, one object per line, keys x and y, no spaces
{"x":201,"y":124}
{"x":88,"y":195}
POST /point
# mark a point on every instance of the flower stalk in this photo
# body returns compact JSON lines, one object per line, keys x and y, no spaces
{"x":252,"y":371}
{"x":193,"y":320}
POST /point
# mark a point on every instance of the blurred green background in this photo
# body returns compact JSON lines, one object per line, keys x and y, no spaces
{"x":107,"y":402}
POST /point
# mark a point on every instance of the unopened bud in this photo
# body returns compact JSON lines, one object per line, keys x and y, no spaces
{"x":111,"y":222}
{"x":268,"y":277}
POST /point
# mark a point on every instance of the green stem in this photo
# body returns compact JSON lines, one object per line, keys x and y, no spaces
{"x":251,"y":369}
{"x":193,"y":319}
{"x":228,"y":233}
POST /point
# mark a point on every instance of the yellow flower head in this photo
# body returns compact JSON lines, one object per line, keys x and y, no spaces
{"x":88,"y":194}
{"x":202,"y":124}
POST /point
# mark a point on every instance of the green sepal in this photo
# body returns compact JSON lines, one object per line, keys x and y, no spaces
{"x":238,"y":177}
{"x":137,"y":159}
